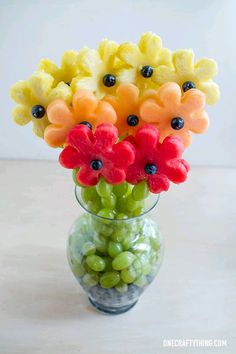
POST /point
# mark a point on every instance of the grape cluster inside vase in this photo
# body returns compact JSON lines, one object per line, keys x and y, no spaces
{"x":114,"y":260}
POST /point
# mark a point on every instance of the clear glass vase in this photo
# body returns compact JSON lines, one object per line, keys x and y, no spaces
{"x":114,"y":260}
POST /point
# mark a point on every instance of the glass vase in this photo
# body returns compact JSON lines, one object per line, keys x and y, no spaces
{"x":114,"y":260}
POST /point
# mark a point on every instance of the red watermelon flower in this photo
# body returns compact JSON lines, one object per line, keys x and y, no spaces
{"x":158,"y":163}
{"x":97,"y":154}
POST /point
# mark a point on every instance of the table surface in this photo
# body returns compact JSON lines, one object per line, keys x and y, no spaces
{"x":44,"y":310}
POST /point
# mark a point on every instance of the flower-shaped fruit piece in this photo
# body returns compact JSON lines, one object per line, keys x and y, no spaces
{"x":174,"y":114}
{"x":142,"y":60}
{"x":86,"y":109}
{"x":157,"y":163}
{"x":189,"y":74}
{"x":126,"y":104}
{"x":66,"y":72}
{"x":98,"y":69}
{"x":33,"y":97}
{"x":97,"y":154}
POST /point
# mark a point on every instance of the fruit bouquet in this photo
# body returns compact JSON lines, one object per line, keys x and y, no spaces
{"x":122,"y":116}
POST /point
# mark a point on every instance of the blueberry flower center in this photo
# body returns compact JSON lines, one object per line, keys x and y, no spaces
{"x":187,"y":85}
{"x":146,"y":71}
{"x":87,"y":124}
{"x":96,"y":165}
{"x":132,"y":120}
{"x":150,"y":169}
{"x":38,"y":111}
{"x":177,"y":123}
{"x":109,"y":80}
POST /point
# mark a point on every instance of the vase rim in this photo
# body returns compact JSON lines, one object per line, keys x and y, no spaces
{"x":155,"y":198}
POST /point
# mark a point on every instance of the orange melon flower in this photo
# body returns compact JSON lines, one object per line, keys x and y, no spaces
{"x":174,"y":114}
{"x":85,"y":108}
{"x":127,"y":104}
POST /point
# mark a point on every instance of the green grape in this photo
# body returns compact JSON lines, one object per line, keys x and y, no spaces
{"x":109,"y":202}
{"x":137,"y":265}
{"x":88,"y":194}
{"x":101,"y":243}
{"x":122,"y":216}
{"x":114,"y":211}
{"x":142,"y":245}
{"x":118,"y":234}
{"x":99,"y":226}
{"x":121,"y":204}
{"x":77,"y":257}
{"x":94,"y":206}
{"x":96,"y":224}
{"x":96,"y":263}
{"x":130,"y":188}
{"x":78,"y":269}
{"x":129,"y":241}
{"x":108,"y":264}
{"x":106,"y":216}
{"x":144,"y":239}
{"x":120,"y":189}
{"x":88,"y":248}
{"x":141,"y":281}
{"x":80,"y":227}
{"x":139,"y":225}
{"x":114,"y":248}
{"x":131,"y":227}
{"x":140,"y":191}
{"x":74,"y":173}
{"x":123,"y":260}
{"x":121,"y":287}
{"x":144,"y":258}
{"x":109,"y":279}
{"x":131,"y":204}
{"x":77,"y":239}
{"x":146,"y":264}
{"x":155,"y":243}
{"x":153,"y":257}
{"x":146,"y":268}
{"x":106,"y":213}
{"x":138,"y":211}
{"x":128,"y":275}
{"x":103,"y":188}
{"x":106,"y":230}
{"x":90,"y":279}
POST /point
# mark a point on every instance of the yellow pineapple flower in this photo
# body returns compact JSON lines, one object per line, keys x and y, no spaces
{"x":142,"y":60}
{"x":32,"y":98}
{"x":66,"y":72}
{"x":188,"y":74}
{"x":98,"y":69}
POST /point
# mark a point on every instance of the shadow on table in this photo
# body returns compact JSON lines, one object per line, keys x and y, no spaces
{"x":38,"y":284}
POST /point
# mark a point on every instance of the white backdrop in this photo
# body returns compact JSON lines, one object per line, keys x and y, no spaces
{"x":32,"y":29}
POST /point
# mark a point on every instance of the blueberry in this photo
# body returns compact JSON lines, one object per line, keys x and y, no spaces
{"x":146,"y":71}
{"x":87,"y":124}
{"x":96,"y":165}
{"x":132,"y":120}
{"x":38,"y":111}
{"x":150,"y":169}
{"x":109,"y":80}
{"x":187,"y":85}
{"x":177,"y":123}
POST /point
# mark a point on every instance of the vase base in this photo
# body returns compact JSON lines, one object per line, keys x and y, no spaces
{"x":112,"y":310}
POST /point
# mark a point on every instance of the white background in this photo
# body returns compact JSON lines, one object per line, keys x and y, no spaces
{"x":42,"y":308}
{"x":32,"y":29}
